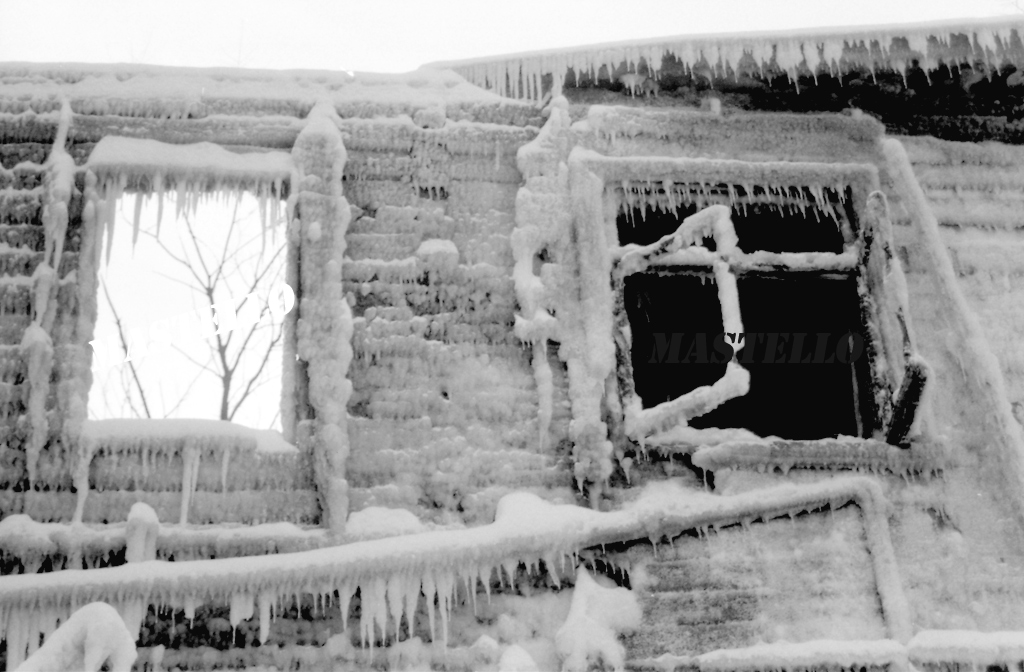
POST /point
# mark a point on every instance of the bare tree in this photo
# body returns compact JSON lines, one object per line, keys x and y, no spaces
{"x":228,"y":278}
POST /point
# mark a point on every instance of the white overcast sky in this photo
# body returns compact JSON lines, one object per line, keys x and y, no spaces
{"x":401,"y":35}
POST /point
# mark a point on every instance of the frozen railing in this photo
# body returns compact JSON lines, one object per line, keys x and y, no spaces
{"x":390,"y":574}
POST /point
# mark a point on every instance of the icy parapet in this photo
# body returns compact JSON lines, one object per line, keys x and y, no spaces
{"x":93,"y":636}
{"x":758,"y":54}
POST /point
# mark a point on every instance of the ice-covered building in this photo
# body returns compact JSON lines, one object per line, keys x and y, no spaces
{"x":731,"y":322}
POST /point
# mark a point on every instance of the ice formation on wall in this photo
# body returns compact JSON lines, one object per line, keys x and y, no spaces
{"x":794,"y":53}
{"x":542,"y":227}
{"x":597,"y":616}
{"x":37,"y":343}
{"x":324,"y":337}
{"x":93,"y":636}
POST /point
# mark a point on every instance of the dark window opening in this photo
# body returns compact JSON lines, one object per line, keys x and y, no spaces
{"x":772,"y":227}
{"x":805,"y":347}
{"x":675,"y":320}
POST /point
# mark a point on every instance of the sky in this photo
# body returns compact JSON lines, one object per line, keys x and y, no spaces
{"x":401,"y":35}
{"x":153,"y":295}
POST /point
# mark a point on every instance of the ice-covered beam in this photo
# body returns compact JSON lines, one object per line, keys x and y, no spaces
{"x":270,"y":131}
{"x":526,"y":530}
{"x":848,"y":453}
{"x":189,"y":93}
{"x":991,"y":42}
{"x":968,"y":647}
{"x":151,"y":165}
{"x":965,"y":338}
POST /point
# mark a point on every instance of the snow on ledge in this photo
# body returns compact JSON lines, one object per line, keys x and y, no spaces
{"x":967,"y":646}
{"x":145,"y":430}
{"x":814,"y":654}
{"x":183,"y":93}
{"x":202,"y":161}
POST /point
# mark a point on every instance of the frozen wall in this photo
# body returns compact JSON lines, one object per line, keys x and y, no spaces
{"x":444,"y":403}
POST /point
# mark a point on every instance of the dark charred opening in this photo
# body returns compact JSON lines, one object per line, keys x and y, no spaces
{"x":805,"y":344}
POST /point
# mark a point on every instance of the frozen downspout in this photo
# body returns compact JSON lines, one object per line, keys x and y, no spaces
{"x":37,"y":344}
{"x":324,"y":338}
{"x":976,"y":353}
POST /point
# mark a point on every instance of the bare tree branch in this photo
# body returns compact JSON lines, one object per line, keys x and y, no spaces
{"x":127,"y":350}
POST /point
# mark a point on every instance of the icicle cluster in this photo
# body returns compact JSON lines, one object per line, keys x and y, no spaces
{"x":670,"y":196}
{"x":988,"y":41}
{"x":194,"y":173}
{"x":176,"y":456}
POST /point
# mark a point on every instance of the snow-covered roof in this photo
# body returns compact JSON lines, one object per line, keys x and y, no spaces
{"x":808,"y":51}
{"x":169,"y":92}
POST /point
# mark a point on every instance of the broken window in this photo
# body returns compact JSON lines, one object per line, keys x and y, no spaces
{"x":804,"y":338}
{"x":823,"y":340}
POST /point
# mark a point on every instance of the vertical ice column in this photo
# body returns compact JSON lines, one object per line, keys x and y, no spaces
{"x":543,"y":223}
{"x":588,"y":341}
{"x":325,"y":318}
{"x":37,"y":344}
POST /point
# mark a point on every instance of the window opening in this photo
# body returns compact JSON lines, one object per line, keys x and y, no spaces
{"x":185,"y":357}
{"x":805,"y":334}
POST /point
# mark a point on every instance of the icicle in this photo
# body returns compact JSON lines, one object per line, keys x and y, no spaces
{"x":225,"y":460}
{"x":344,"y":601}
{"x":266,"y":599}
{"x":241,"y":610}
{"x":446,"y":590}
{"x":190,"y":473}
{"x":396,"y":601}
{"x":430,"y":593}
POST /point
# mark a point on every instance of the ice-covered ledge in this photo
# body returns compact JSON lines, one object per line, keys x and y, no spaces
{"x":170,"y":435}
{"x":527,"y":530}
{"x":927,"y":648}
{"x":175,"y":93}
